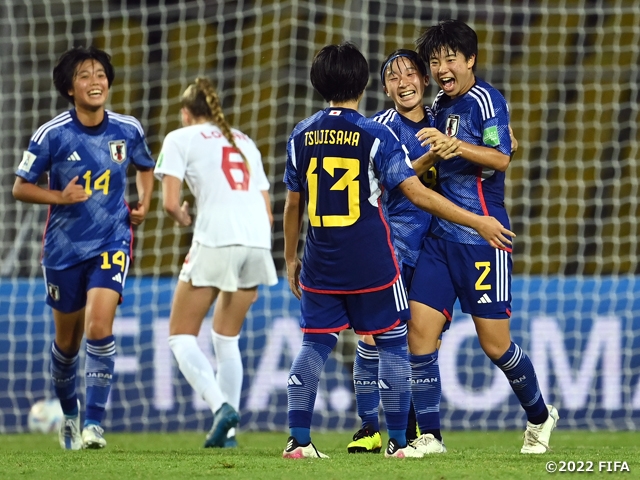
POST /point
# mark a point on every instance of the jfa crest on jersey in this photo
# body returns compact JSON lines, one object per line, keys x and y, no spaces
{"x":342,"y":162}
{"x":118,"y":150}
{"x":452,"y":125}
{"x":479,"y":117}
{"x":99,"y":157}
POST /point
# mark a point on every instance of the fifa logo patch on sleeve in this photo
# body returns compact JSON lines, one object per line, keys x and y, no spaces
{"x":490,"y":136}
{"x":118,"y":150}
{"x":27,"y":160}
{"x":54,"y":291}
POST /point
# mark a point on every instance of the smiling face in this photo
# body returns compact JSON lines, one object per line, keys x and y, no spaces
{"x":90,"y":88}
{"x":452,"y":72}
{"x":405,"y":85}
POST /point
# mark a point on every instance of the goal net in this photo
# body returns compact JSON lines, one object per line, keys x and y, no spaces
{"x":570,"y":72}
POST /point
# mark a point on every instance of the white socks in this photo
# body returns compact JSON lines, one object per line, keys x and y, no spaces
{"x":197,"y":369}
{"x":230,"y":371}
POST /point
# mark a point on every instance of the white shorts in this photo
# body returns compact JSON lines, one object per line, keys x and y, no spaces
{"x":228,"y":268}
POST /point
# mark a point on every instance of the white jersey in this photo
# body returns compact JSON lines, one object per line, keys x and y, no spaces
{"x":231,"y":207}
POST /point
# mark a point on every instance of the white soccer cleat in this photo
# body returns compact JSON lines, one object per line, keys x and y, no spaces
{"x":428,"y":444}
{"x":394,"y":451}
{"x":295,"y":450}
{"x":69,"y":433}
{"x":92,"y":437}
{"x":536,"y":437}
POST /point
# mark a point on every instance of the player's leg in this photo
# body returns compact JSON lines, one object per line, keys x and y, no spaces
{"x":432,"y":296}
{"x":383,"y":314}
{"x":326,"y":315}
{"x":248,"y":267}
{"x":488,"y":300}
{"x":99,"y":362}
{"x":66,"y":295}
{"x":228,"y":317}
{"x":105,"y":278}
{"x":198,"y":287}
{"x":496,"y":342}
{"x":365,"y":383}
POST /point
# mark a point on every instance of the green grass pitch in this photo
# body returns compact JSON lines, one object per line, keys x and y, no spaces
{"x":471,"y":455}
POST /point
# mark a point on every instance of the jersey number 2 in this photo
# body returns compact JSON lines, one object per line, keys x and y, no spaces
{"x":346,"y":182}
{"x":235,"y":169}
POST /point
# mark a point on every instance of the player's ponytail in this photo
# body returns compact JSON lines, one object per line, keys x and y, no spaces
{"x":213,"y":111}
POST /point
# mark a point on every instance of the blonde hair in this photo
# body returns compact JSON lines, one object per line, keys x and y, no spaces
{"x":201,"y":99}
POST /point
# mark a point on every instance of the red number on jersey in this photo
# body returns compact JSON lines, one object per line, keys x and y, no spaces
{"x":234,"y":168}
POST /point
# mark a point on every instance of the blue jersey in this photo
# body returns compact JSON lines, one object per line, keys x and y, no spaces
{"x":100,"y":157}
{"x":342,"y":162}
{"x":409,"y":223}
{"x":479,"y":117}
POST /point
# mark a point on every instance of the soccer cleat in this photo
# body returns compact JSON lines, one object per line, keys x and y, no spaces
{"x":92,"y":437}
{"x":536,"y":437}
{"x":224,"y":420}
{"x":395,"y":451}
{"x":365,"y":440}
{"x":69,"y":433}
{"x":295,"y":450}
{"x":230,"y":442}
{"x":428,"y":444}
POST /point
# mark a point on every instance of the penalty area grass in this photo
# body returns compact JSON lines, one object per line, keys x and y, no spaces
{"x":471,"y":455}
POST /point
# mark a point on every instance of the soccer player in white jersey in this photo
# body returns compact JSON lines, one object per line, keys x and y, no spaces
{"x":87,"y":241}
{"x":455,"y":262}
{"x":231,"y":250}
{"x":339,"y":167}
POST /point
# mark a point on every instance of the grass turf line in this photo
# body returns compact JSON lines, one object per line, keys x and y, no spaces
{"x":471,"y":455}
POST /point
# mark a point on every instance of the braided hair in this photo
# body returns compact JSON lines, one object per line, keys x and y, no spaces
{"x":201,"y":99}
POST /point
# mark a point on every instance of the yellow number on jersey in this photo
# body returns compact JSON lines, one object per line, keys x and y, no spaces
{"x":346,"y":182}
{"x":486,"y":266}
{"x":430,"y":178}
{"x":118,"y":258}
{"x":101,"y":183}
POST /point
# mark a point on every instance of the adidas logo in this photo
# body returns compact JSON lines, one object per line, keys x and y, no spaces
{"x":74,"y":157}
{"x":484,"y":299}
{"x":383,"y":385}
{"x":117,"y":277}
{"x":290,"y":445}
{"x":294,"y":380}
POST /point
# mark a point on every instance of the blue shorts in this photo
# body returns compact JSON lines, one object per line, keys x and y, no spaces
{"x":367,"y":313}
{"x":67,"y":289}
{"x":477,"y":275}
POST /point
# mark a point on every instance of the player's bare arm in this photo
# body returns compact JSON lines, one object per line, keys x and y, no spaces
{"x":488,"y":227}
{"x":292,"y":224}
{"x":485,"y":156}
{"x":514,"y":141}
{"x":31,"y":193}
{"x":144,"y":184}
{"x":171,"y":187}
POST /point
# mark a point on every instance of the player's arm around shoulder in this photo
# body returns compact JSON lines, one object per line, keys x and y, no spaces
{"x":488,"y":228}
{"x":292,"y":225}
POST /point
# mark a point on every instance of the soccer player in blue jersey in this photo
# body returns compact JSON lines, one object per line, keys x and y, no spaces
{"x":86,"y":152}
{"x":404,"y":79}
{"x":339,"y":164}
{"x":456,"y":263}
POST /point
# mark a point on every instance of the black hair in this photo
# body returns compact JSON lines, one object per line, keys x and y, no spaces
{"x":339,"y":73}
{"x":65,"y":69}
{"x":453,"y":35}
{"x":403,"y":52}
